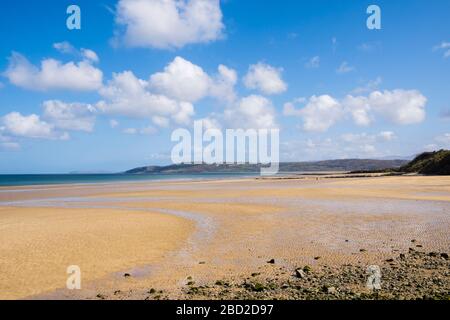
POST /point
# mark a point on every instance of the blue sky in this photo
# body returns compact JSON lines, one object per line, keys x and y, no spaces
{"x":313,"y":69}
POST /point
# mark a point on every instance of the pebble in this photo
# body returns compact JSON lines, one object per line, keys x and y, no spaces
{"x":300,"y":273}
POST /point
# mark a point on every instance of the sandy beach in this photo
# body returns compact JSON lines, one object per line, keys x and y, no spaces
{"x":169,"y":237}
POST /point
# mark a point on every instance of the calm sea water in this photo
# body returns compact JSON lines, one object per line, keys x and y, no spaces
{"x":39,"y":179}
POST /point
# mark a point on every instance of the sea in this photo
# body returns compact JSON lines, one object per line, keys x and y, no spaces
{"x":46,"y":179}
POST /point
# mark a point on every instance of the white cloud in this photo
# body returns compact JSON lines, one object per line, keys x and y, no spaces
{"x":334,"y":44}
{"x":89,"y":55}
{"x":265,"y":78}
{"x":130,"y":131}
{"x":113,"y":123}
{"x":368,"y":87}
{"x":30,"y":126}
{"x":445,"y":47}
{"x":440,"y":142}
{"x":359,"y":108}
{"x":344,"y":68}
{"x":169,"y":23}
{"x":252,"y":112}
{"x":9,"y":146}
{"x":69,"y":116}
{"x":443,"y":141}
{"x":368,"y":139}
{"x":168,"y":95}
{"x":184,"y":113}
{"x":143,"y":131}
{"x":7,"y":143}
{"x":222,"y":86}
{"x":65,"y":47}
{"x":53,"y":74}
{"x":129,"y":96}
{"x":210,"y":123}
{"x":386,"y":135}
{"x":314,"y":62}
{"x":289,"y":107}
{"x":399,"y":106}
{"x":369,"y":46}
{"x":319,"y":114}
{"x":162,"y":122}
{"x":182,"y":80}
{"x":328,"y":148}
{"x":148,"y":130}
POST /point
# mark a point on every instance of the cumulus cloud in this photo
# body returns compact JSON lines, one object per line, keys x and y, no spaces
{"x":130,"y":96}
{"x":53,"y":74}
{"x":399,"y":106}
{"x":265,"y":78}
{"x":359,"y":109}
{"x":182,"y":80}
{"x":70,"y":116}
{"x":222,"y":86}
{"x":319,"y":113}
{"x":252,"y":112}
{"x":169,"y":23}
{"x":31,"y":126}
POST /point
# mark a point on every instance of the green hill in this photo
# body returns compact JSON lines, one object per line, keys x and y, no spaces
{"x":315,"y":166}
{"x":437,"y":163}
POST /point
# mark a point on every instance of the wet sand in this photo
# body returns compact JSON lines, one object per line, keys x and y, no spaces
{"x":169,"y":235}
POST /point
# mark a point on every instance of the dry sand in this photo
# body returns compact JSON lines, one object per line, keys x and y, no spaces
{"x":168,"y":234}
{"x":38,"y":244}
